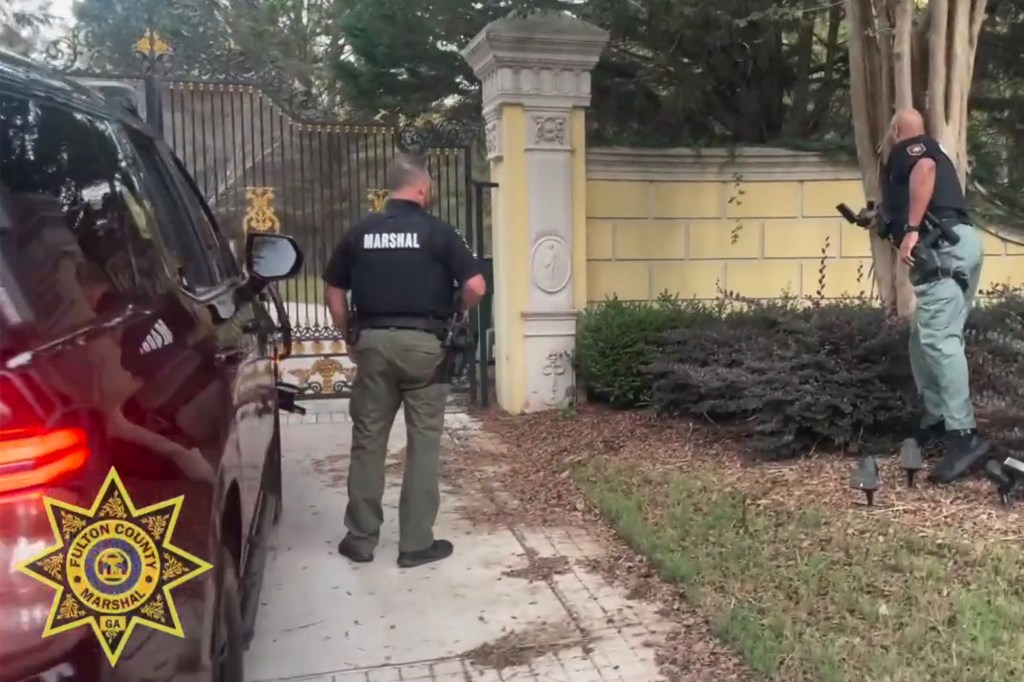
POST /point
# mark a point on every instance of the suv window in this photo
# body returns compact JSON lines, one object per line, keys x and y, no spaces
{"x":79,"y":234}
{"x":190,"y":235}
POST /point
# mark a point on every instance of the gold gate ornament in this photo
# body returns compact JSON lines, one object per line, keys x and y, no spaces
{"x":260,"y":216}
{"x":377,"y":197}
{"x":152,"y":44}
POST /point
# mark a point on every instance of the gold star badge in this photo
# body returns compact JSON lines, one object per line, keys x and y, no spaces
{"x":113,"y":567}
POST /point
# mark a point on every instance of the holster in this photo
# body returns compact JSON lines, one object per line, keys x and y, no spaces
{"x":457,"y":341}
{"x":928,"y":268}
{"x":353,"y":331}
{"x":445,"y":371}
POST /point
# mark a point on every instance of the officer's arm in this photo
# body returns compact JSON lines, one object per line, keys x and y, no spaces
{"x":464,"y":268}
{"x":920,"y":164}
{"x":922,"y":185}
{"x":337,"y":281}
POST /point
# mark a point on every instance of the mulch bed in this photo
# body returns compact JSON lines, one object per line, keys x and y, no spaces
{"x":525,"y":463}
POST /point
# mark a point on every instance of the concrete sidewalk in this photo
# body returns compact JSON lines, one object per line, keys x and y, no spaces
{"x":478,"y":616}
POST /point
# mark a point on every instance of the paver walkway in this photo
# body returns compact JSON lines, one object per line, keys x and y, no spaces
{"x":466,"y":618}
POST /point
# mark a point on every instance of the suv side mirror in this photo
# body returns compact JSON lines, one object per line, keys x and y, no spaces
{"x":272,"y":257}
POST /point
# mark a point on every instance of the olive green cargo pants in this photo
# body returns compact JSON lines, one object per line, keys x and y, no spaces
{"x":937,"y":336}
{"x":395,"y":367}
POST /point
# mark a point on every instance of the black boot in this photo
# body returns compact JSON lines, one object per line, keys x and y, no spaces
{"x":441,"y":549}
{"x":931,"y":434}
{"x":965,"y":451}
{"x":348,"y":548}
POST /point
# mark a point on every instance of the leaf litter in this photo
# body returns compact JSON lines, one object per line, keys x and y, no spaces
{"x":524,"y":465}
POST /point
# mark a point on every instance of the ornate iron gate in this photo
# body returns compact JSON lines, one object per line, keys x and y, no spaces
{"x":262,"y":167}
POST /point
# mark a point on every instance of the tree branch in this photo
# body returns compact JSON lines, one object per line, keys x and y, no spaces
{"x":937,"y":85}
{"x":903,"y":82}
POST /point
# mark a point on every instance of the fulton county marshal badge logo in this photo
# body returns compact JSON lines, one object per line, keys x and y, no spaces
{"x":113,"y":567}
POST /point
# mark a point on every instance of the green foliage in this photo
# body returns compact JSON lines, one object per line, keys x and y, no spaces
{"x":679,"y":73}
{"x":22,"y":23}
{"x":798,"y":378}
{"x":804,"y":586}
{"x":739,"y":71}
{"x":110,"y":30}
{"x":793,"y":377}
{"x":669,"y":75}
{"x":997,"y":105}
{"x":284,"y":45}
{"x":403,"y":58}
{"x":616,"y":340}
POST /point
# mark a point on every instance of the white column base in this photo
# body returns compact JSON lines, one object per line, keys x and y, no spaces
{"x":550,"y":343}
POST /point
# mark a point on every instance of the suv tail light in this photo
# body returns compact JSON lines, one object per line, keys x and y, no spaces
{"x":34,"y":454}
{"x":35,"y":457}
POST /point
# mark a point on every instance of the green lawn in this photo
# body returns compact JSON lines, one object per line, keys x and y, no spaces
{"x":807,"y":590}
{"x":303,"y":289}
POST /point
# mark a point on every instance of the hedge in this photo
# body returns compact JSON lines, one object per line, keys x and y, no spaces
{"x":794,"y":378}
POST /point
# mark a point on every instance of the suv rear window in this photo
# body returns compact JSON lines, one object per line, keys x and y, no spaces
{"x":77,"y":236}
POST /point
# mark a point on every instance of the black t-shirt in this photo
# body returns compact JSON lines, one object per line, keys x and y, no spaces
{"x":401,"y":262}
{"x":947,"y":198}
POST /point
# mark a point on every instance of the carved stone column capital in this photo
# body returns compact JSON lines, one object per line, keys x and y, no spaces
{"x":542,"y":59}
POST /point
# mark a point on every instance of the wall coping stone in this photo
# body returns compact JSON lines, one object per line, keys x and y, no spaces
{"x":745,"y":164}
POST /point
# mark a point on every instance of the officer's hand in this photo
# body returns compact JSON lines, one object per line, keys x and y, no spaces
{"x":907,"y":245}
{"x":867,"y":216}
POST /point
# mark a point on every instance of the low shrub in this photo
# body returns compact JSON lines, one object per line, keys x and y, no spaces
{"x":617,"y":340}
{"x":827,"y":376}
{"x":995,"y":351}
{"x":795,"y":378}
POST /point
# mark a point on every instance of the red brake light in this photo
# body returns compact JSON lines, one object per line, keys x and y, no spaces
{"x":33,"y":457}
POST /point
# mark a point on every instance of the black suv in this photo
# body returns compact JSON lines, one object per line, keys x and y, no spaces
{"x":130,"y":340}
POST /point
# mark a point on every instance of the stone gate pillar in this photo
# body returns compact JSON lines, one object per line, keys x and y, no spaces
{"x":535,"y":72}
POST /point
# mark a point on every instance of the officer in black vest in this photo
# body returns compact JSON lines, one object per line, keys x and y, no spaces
{"x":401,"y":267}
{"x":920,"y":181}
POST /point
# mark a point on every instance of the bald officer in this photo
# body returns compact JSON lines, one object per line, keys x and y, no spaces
{"x":401,"y":267}
{"x":921,"y":179}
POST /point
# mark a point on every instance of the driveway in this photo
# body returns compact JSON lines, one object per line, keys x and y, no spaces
{"x":512,"y":603}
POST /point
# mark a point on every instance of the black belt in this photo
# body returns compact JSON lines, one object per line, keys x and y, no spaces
{"x":953,"y":221}
{"x":941,"y":273}
{"x":423,"y":324}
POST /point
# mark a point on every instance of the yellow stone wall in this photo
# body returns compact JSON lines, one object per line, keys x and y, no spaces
{"x":758,"y":222}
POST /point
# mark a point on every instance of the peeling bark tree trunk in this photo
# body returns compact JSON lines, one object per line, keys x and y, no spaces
{"x":903,"y":55}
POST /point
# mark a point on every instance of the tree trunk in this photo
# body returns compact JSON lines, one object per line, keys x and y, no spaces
{"x":891,"y":69}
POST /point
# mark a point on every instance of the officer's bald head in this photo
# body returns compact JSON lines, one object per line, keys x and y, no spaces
{"x":409,"y":179}
{"x":906,"y":123}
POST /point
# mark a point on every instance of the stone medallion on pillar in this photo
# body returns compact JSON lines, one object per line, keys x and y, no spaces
{"x":535,"y":75}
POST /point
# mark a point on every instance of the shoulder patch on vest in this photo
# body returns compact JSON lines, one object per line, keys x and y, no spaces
{"x":916,"y":149}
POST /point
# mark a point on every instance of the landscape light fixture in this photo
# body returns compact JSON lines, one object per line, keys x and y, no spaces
{"x":865,"y":478}
{"x":911,"y":459}
{"x":1006,"y":475}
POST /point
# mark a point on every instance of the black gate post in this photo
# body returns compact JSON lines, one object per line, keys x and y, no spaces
{"x":154,"y":103}
{"x":481,"y":259}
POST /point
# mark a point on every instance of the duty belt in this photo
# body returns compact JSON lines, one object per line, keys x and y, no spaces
{"x":940,"y":273}
{"x":947,"y":223}
{"x":953,"y":221}
{"x":423,"y":324}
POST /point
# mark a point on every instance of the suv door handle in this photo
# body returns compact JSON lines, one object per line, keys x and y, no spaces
{"x":252,"y":327}
{"x":230,"y":356}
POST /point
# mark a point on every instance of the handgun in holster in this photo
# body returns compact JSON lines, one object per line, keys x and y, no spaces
{"x":353,"y":330}
{"x":927,"y":265}
{"x":459,"y":344}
